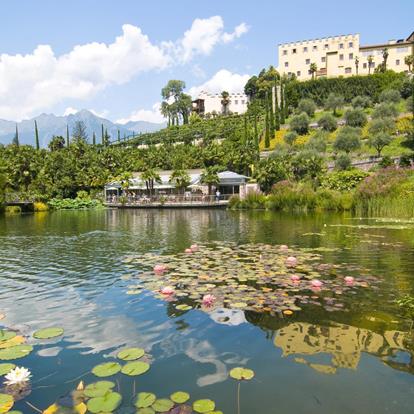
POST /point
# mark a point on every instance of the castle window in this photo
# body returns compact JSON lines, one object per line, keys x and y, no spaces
{"x":326,"y":46}
{"x":323,"y":59}
{"x":315,"y":48}
{"x":305,"y":49}
{"x":341,"y":57}
{"x":364,"y":65}
{"x":341,"y":45}
{"x":397,"y":62}
{"x":348,"y":70}
{"x":351,"y":56}
{"x":286,"y":64}
{"x":293,"y":51}
{"x":298,"y":73}
{"x":308,"y":61}
{"x":350,"y":44}
{"x":285,"y":52}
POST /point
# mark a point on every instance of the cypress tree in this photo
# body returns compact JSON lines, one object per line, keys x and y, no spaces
{"x":271,"y":115}
{"x":256,"y":135}
{"x":282,"y":104}
{"x":245,"y":130}
{"x":119,"y":135}
{"x":37,"y":136}
{"x":277,"y":114}
{"x":102,"y":135}
{"x":67,"y":136}
{"x":267,"y":129}
{"x":93,"y":138}
{"x":16,"y":138}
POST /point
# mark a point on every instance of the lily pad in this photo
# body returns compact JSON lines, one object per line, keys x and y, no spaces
{"x":106,"y":369}
{"x":145,"y":399}
{"x":204,"y":406}
{"x":15,"y":352}
{"x":6,"y":403}
{"x":146,"y":410}
{"x":48,"y":333}
{"x":162,"y":405}
{"x":180,"y":397}
{"x":17,"y":340}
{"x":98,"y":389}
{"x":183,"y":307}
{"x":6,"y":335}
{"x":135,"y":368}
{"x":105,"y":404}
{"x":242,"y":374}
{"x":6,"y":368}
{"x":131,"y":354}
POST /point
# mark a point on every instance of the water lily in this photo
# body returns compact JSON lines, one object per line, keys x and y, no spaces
{"x":291,"y":261}
{"x":283,"y":247}
{"x":316,"y":283}
{"x":18,"y":375}
{"x":349,"y":280}
{"x":160,"y":268}
{"x":194,"y":247}
{"x":167,"y":290}
{"x":188,"y":250}
{"x":295,"y":278}
{"x":208,"y":300}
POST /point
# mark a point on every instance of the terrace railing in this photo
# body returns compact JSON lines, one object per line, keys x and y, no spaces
{"x":166,"y":200}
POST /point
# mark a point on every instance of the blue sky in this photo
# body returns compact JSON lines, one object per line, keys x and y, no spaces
{"x":123,"y":80}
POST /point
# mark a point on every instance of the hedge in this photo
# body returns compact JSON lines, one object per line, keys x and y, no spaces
{"x":319,"y":89}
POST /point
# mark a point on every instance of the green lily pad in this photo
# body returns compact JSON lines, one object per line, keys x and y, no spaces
{"x":162,"y":405}
{"x":145,"y":399}
{"x":180,"y":397}
{"x":131,"y":354}
{"x":15,"y":352}
{"x":6,"y":403}
{"x":14,"y":412}
{"x":6,"y":335}
{"x":135,"y":368}
{"x":106,"y":369}
{"x":241,"y":374}
{"x":98,"y":389}
{"x":105,"y":404}
{"x":6,"y":368}
{"x":183,"y":307}
{"x":48,"y":333}
{"x":204,"y":406}
{"x":146,"y":410}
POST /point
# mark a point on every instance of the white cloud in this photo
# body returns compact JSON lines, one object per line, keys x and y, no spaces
{"x":102,"y":114}
{"x":223,"y":80}
{"x":70,"y":111}
{"x":39,"y":80}
{"x":149,"y":115}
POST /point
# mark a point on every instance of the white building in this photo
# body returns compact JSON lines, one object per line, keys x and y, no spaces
{"x":211,"y":103}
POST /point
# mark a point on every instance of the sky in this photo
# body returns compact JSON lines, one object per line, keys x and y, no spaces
{"x":114,"y":57}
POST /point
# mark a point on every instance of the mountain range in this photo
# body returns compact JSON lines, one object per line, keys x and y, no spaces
{"x":50,"y":125}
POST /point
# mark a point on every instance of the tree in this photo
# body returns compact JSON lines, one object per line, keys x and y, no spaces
{"x":150,"y":176}
{"x":334,"y":102}
{"x":343,"y":162}
{"x":79,"y":132}
{"x":379,"y":141}
{"x":356,"y":118}
{"x":67,"y":136}
{"x":16,"y":138}
{"x":327,"y":122}
{"x":385,"y":55}
{"x":382,"y":125}
{"x":290,"y":137}
{"x":119,"y":135}
{"x":300,"y":123}
{"x":176,"y":103}
{"x":385,"y":110}
{"x":37,"y":136}
{"x":93,"y":138}
{"x":56,"y":143}
{"x":251,"y":88}
{"x":271,"y":170}
{"x":180,"y":179}
{"x":277,"y":110}
{"x":318,"y":141}
{"x":409,"y":61}
{"x":348,"y":139}
{"x":282,"y":102}
{"x":313,"y":68}
{"x":210,"y":177}
{"x":107,"y":138}
{"x":125,"y":180}
{"x":361,"y":102}
{"x":267,"y":124}
{"x":357,"y":64}
{"x":390,"y":96}
{"x":225,"y":101}
{"x":308,"y":106}
{"x":370,"y":62}
{"x":308,"y":164}
{"x":102,"y":135}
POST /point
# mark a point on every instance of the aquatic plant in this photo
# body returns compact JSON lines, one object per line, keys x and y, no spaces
{"x":18,"y":376}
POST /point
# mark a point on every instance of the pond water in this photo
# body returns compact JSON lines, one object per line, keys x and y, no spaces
{"x":75,"y":270}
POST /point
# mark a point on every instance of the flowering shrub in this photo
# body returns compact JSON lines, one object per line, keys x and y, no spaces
{"x":343,"y":180}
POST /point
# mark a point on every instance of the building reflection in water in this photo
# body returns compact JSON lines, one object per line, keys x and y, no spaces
{"x":344,"y":344}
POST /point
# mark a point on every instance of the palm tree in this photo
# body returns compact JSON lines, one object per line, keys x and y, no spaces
{"x":356,"y":64}
{"x":210,"y":177}
{"x":225,"y":100}
{"x":313,"y":69}
{"x":181,"y":179}
{"x":409,"y":61}
{"x":370,"y":61}
{"x":385,"y":55}
{"x":150,"y":177}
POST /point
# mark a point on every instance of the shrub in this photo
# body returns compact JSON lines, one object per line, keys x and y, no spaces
{"x":72,"y":204}
{"x":404,"y":125}
{"x":386,"y":162}
{"x":327,"y":122}
{"x":334,"y":102}
{"x":390,"y":96}
{"x":356,"y":118}
{"x":343,"y":180}
{"x":343,"y":162}
{"x":410,"y":104}
{"x":300,"y":123}
{"x":407,"y":89}
{"x":378,"y":126}
{"x":271,"y":170}
{"x":385,"y":110}
{"x":348,"y":139}
{"x":13,"y":210}
{"x":290,"y":137}
{"x":379,"y":141}
{"x":308,"y":106}
{"x":308,"y":164}
{"x":318,"y":141}
{"x":361,"y":102}
{"x":40,"y":206}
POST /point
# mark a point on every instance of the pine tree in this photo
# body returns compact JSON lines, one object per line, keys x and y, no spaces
{"x":16,"y":138}
{"x":267,"y":128}
{"x":37,"y":136}
{"x":277,"y":112}
{"x":93,"y":138}
{"x":102,"y":135}
{"x":67,"y":136}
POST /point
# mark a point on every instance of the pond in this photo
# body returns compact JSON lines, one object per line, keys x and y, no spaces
{"x":343,"y":347}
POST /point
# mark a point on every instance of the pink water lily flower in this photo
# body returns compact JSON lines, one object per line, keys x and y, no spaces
{"x":167,"y":290}
{"x":160,"y":268}
{"x":316,"y":283}
{"x":291,"y":261}
{"x":295,"y":278}
{"x":188,"y":251}
{"x":349,"y":280}
{"x":208,"y":300}
{"x":194,"y":247}
{"x":283,"y":247}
